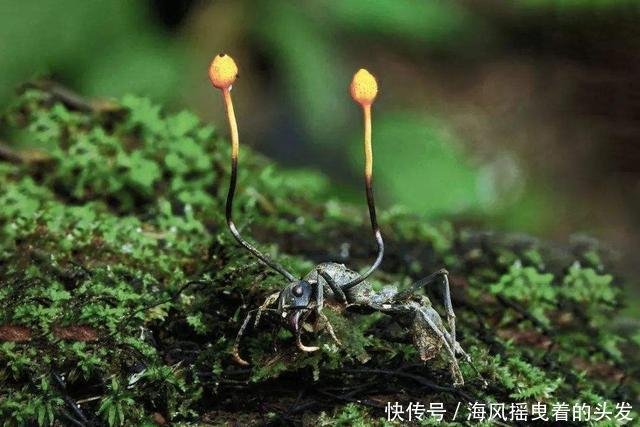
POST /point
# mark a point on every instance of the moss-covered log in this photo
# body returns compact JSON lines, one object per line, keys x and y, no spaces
{"x":107,"y":211}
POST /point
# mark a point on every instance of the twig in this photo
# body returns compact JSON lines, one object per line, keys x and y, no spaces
{"x":61,"y":93}
{"x":70,"y":402}
{"x":416,"y":378}
{"x":347,"y":398}
{"x":88,"y":399}
{"x":9,"y":155}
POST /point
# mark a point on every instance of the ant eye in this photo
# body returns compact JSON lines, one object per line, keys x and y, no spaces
{"x":297,"y":290}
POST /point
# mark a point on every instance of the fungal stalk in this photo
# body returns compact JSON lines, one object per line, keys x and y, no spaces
{"x":364,"y":89}
{"x":223,"y":72}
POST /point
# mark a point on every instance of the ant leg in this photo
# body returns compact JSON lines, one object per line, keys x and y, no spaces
{"x":451,"y":316}
{"x":235,"y":351}
{"x":458,"y":349}
{"x":319,"y":297}
{"x":337,"y":290}
{"x":321,"y":315}
{"x":267,"y":302}
{"x":330,"y":329}
{"x":299,"y":344}
{"x":458,"y":380}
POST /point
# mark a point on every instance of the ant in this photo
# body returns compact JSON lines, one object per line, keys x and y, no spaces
{"x":333,"y":283}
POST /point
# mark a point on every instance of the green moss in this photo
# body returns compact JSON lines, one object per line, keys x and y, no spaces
{"x":112,"y":211}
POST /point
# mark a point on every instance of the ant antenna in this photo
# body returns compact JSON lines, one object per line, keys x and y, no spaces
{"x":223,"y":72}
{"x":364,"y":89}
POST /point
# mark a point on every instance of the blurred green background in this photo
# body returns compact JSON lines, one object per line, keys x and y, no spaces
{"x":511,"y":115}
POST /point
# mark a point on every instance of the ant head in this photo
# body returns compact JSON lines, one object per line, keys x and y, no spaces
{"x":296,"y":298}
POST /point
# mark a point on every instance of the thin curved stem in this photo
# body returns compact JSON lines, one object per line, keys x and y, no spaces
{"x":233,"y":126}
{"x":368,"y":183}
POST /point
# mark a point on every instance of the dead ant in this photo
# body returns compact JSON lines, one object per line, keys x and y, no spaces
{"x":334,"y":284}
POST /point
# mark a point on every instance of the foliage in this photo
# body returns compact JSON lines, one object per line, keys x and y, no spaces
{"x":134,"y":55}
{"x":107,"y":214}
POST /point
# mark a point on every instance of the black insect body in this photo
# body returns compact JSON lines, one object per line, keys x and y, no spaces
{"x":325,"y":286}
{"x":334,"y":284}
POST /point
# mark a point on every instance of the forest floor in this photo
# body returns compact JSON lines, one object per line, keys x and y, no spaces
{"x":109,"y":210}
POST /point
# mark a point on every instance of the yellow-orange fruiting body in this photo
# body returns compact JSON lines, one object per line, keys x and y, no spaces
{"x":223,"y":71}
{"x":364,"y":87}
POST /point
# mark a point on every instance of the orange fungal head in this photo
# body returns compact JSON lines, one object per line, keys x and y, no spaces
{"x":364,"y":87}
{"x":223,"y":71}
